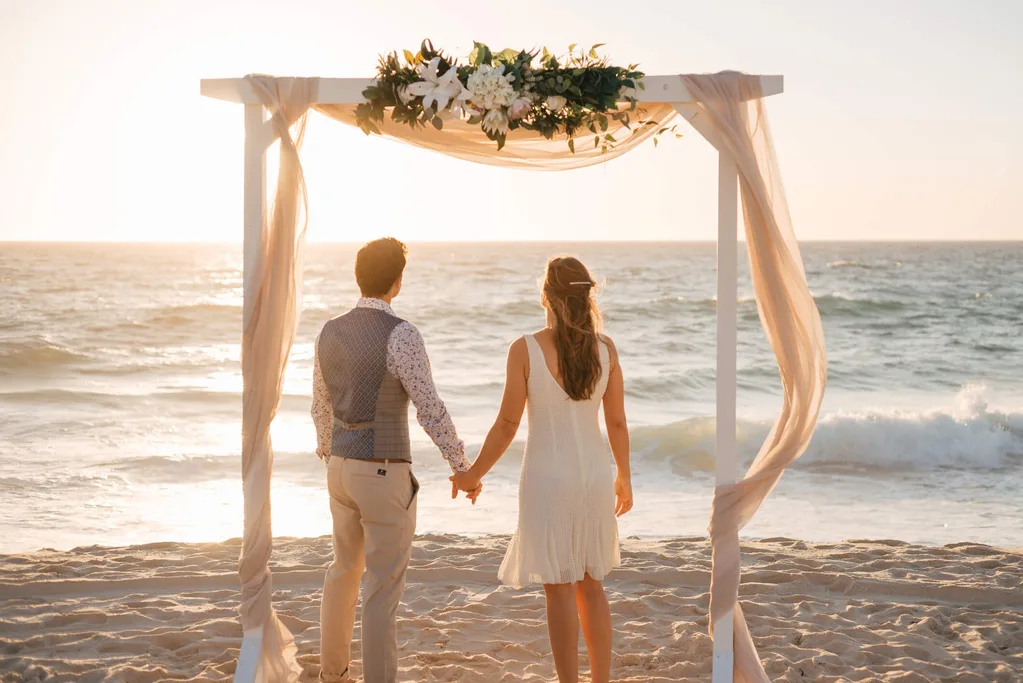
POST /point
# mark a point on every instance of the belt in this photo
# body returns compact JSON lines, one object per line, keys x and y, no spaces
{"x":386,"y":461}
{"x":355,"y":426}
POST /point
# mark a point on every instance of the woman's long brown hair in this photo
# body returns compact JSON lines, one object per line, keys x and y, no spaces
{"x":568,"y":292}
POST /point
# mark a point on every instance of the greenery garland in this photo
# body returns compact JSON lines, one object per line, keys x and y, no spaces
{"x":505,"y":91}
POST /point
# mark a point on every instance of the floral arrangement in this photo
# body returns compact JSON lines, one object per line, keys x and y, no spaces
{"x":504,"y":91}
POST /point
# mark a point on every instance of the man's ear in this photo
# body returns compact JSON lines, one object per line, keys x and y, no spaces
{"x":396,"y":287}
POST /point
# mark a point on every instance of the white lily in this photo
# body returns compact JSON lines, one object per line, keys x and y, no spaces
{"x":436,"y":89}
{"x":460,"y":106}
{"x":404,"y":95}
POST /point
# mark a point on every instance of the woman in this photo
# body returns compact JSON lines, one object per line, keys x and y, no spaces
{"x":567,"y":537}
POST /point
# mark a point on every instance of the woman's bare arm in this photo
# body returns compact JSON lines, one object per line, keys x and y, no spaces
{"x":618,"y":430}
{"x":509,"y":416}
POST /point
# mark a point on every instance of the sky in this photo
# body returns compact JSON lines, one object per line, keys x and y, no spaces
{"x":900,"y":120}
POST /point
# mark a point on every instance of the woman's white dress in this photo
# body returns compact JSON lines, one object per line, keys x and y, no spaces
{"x":567,"y":526}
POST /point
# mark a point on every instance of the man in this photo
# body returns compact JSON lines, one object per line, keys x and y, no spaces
{"x":368,"y":364}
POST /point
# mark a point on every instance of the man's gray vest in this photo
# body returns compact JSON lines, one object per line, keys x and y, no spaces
{"x":370,"y":404}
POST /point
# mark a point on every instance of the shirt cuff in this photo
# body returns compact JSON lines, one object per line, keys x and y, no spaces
{"x":459,"y":463}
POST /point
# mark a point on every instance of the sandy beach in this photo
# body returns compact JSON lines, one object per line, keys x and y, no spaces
{"x":852,"y":611}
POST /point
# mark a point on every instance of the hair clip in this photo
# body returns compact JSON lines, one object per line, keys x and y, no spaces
{"x":586,"y":282}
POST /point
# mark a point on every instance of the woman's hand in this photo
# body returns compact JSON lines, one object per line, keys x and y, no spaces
{"x":468,"y":482}
{"x":623,"y":495}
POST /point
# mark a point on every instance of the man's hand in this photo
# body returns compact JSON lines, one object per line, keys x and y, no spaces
{"x":466,"y":481}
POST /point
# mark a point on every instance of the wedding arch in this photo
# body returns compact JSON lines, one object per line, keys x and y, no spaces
{"x":725,"y":108}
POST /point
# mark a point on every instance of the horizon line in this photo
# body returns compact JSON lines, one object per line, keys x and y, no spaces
{"x":507,"y":242}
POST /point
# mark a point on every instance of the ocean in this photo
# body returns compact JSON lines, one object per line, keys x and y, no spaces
{"x":120,"y":389}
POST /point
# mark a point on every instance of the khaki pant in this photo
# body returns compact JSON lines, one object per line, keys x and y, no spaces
{"x":374,"y":509}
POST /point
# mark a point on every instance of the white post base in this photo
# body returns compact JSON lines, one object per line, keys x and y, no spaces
{"x":250,"y":669}
{"x":724,"y":665}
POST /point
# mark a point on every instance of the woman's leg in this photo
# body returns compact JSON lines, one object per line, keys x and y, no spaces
{"x":563,"y":629}
{"x":595,"y":615}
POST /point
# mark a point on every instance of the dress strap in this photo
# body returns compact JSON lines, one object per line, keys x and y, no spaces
{"x":532,"y":347}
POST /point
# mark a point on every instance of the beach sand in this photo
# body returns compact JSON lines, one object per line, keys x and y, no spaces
{"x":852,"y":611}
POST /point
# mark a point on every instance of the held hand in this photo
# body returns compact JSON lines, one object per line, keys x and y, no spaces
{"x":623,"y":495}
{"x":466,"y":481}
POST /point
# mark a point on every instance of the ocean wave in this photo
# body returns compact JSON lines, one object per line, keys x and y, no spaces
{"x":205,"y":311}
{"x":36,"y":354}
{"x":833,"y":304}
{"x":844,"y":263}
{"x":968,"y":436}
{"x":157,"y":469}
{"x":838,"y":304}
{"x":182,"y":401}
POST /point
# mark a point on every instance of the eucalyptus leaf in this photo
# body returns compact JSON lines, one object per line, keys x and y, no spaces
{"x":571,"y":145}
{"x":437,"y":122}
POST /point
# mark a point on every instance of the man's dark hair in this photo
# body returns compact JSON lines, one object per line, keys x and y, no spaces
{"x":378,"y":266}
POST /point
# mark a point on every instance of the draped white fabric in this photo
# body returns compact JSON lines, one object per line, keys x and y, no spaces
{"x":735,"y":121}
{"x":271,"y":316}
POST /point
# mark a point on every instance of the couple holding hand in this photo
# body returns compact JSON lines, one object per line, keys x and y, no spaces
{"x":369,"y":364}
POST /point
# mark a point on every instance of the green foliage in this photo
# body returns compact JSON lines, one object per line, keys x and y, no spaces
{"x":589,"y":87}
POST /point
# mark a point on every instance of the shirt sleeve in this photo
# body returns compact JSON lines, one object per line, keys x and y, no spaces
{"x":407,"y":360}
{"x":322,"y":410}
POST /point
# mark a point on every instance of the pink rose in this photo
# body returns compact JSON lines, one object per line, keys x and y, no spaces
{"x":519,"y":108}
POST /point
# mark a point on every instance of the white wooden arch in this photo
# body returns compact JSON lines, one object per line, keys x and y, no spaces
{"x":259,"y":136}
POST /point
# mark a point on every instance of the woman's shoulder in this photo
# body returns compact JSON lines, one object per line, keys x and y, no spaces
{"x":612,"y":350}
{"x":519,"y":348}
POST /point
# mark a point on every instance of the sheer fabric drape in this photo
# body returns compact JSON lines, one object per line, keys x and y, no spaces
{"x":271,"y":313}
{"x":735,"y":113}
{"x":737,"y":121}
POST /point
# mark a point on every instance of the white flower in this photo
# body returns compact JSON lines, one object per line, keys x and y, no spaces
{"x":491,"y":88}
{"x":404,"y":95}
{"x":457,"y":110}
{"x":436,"y":89}
{"x":519,"y":108}
{"x":460,"y":106}
{"x":496,"y":122}
{"x":556,"y":103}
